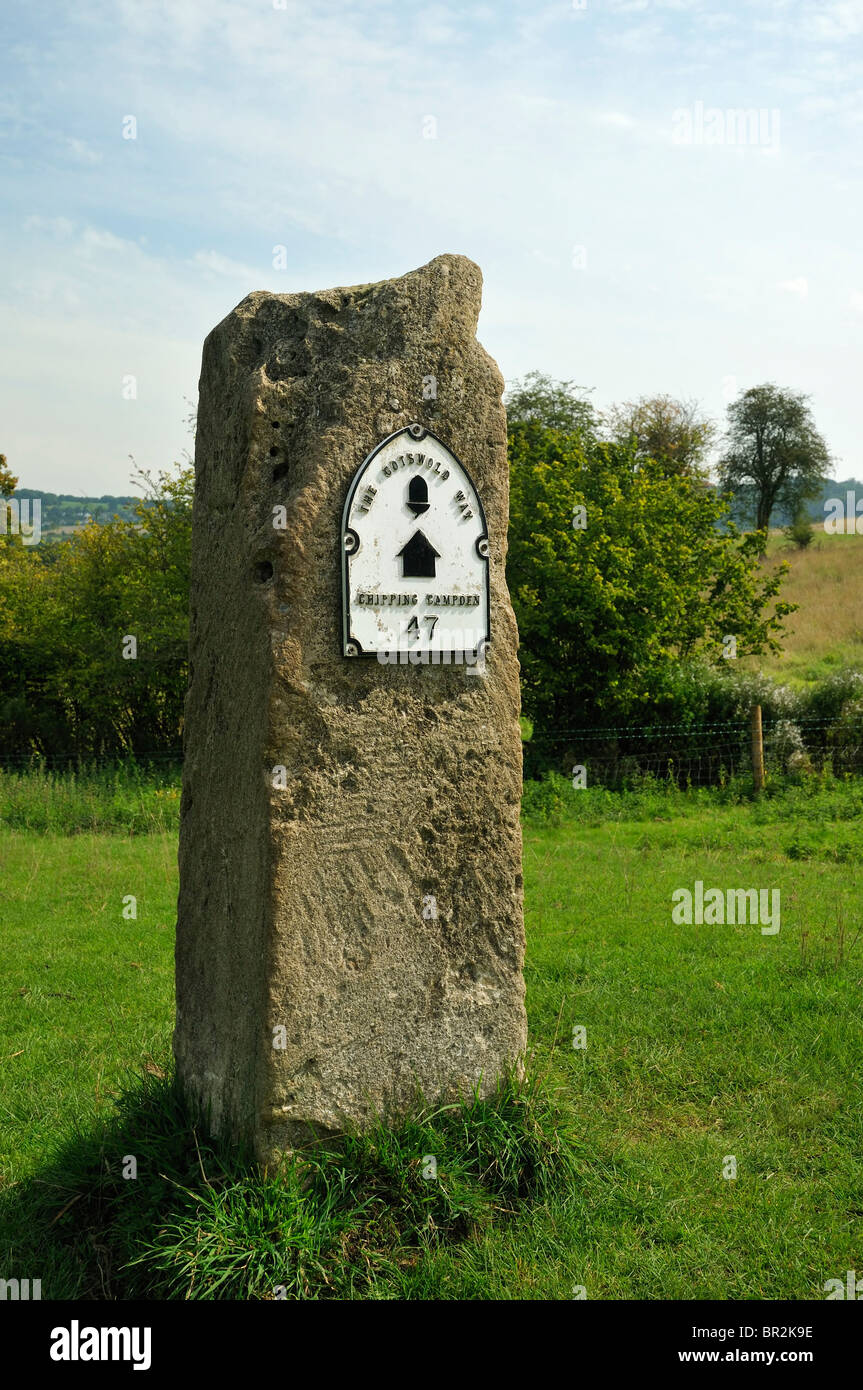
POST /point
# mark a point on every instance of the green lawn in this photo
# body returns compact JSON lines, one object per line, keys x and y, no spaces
{"x":702,"y":1043}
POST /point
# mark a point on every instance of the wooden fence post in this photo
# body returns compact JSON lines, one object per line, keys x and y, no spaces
{"x":757,"y":748}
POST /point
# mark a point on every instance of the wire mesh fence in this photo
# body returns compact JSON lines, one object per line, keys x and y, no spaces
{"x":695,"y":754}
{"x":707,"y":754}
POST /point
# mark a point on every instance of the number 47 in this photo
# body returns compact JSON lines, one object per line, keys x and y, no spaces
{"x":414,"y":625}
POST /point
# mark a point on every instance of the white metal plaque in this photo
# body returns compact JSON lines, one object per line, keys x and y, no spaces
{"x":415,"y":543}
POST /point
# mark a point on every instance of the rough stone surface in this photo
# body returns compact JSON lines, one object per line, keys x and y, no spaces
{"x":302,"y":906}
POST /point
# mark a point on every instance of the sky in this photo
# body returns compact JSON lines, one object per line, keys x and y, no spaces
{"x":162,"y":158}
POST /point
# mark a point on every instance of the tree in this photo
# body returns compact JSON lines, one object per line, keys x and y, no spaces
{"x":618,"y":575}
{"x":8,"y":482}
{"x":66,"y":608}
{"x":673,"y":432}
{"x":773,"y":450}
{"x":800,"y":530}
{"x":558,"y":405}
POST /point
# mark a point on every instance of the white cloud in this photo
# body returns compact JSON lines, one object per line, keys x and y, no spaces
{"x":615,"y":120}
{"x":798,"y":287}
{"x":217,"y":264}
{"x":832,"y":22}
{"x":97,"y":239}
{"x":61,"y":228}
{"x":83,"y":152}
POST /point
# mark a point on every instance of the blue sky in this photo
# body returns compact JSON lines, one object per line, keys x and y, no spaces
{"x":588,"y":158}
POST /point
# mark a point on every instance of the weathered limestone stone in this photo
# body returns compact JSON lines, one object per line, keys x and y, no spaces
{"x":307,"y":896}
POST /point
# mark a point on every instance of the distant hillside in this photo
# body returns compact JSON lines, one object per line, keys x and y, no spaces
{"x":64,"y":511}
{"x":743,"y":508}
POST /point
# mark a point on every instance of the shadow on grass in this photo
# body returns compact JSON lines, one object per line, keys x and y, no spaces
{"x":143,"y":1206}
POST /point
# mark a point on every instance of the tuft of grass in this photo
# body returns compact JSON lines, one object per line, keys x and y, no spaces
{"x":343,"y":1218}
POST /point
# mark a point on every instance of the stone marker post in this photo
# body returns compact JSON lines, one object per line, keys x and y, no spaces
{"x":350,"y":924}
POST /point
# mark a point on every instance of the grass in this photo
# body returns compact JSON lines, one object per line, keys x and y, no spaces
{"x":702,"y":1043}
{"x":357,"y":1218}
{"x":125,"y":797}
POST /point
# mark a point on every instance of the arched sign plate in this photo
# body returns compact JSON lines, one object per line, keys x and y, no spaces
{"x":415,"y":553}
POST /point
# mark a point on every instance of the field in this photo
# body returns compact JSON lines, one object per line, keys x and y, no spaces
{"x":826,"y":580}
{"x":703,"y":1044}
